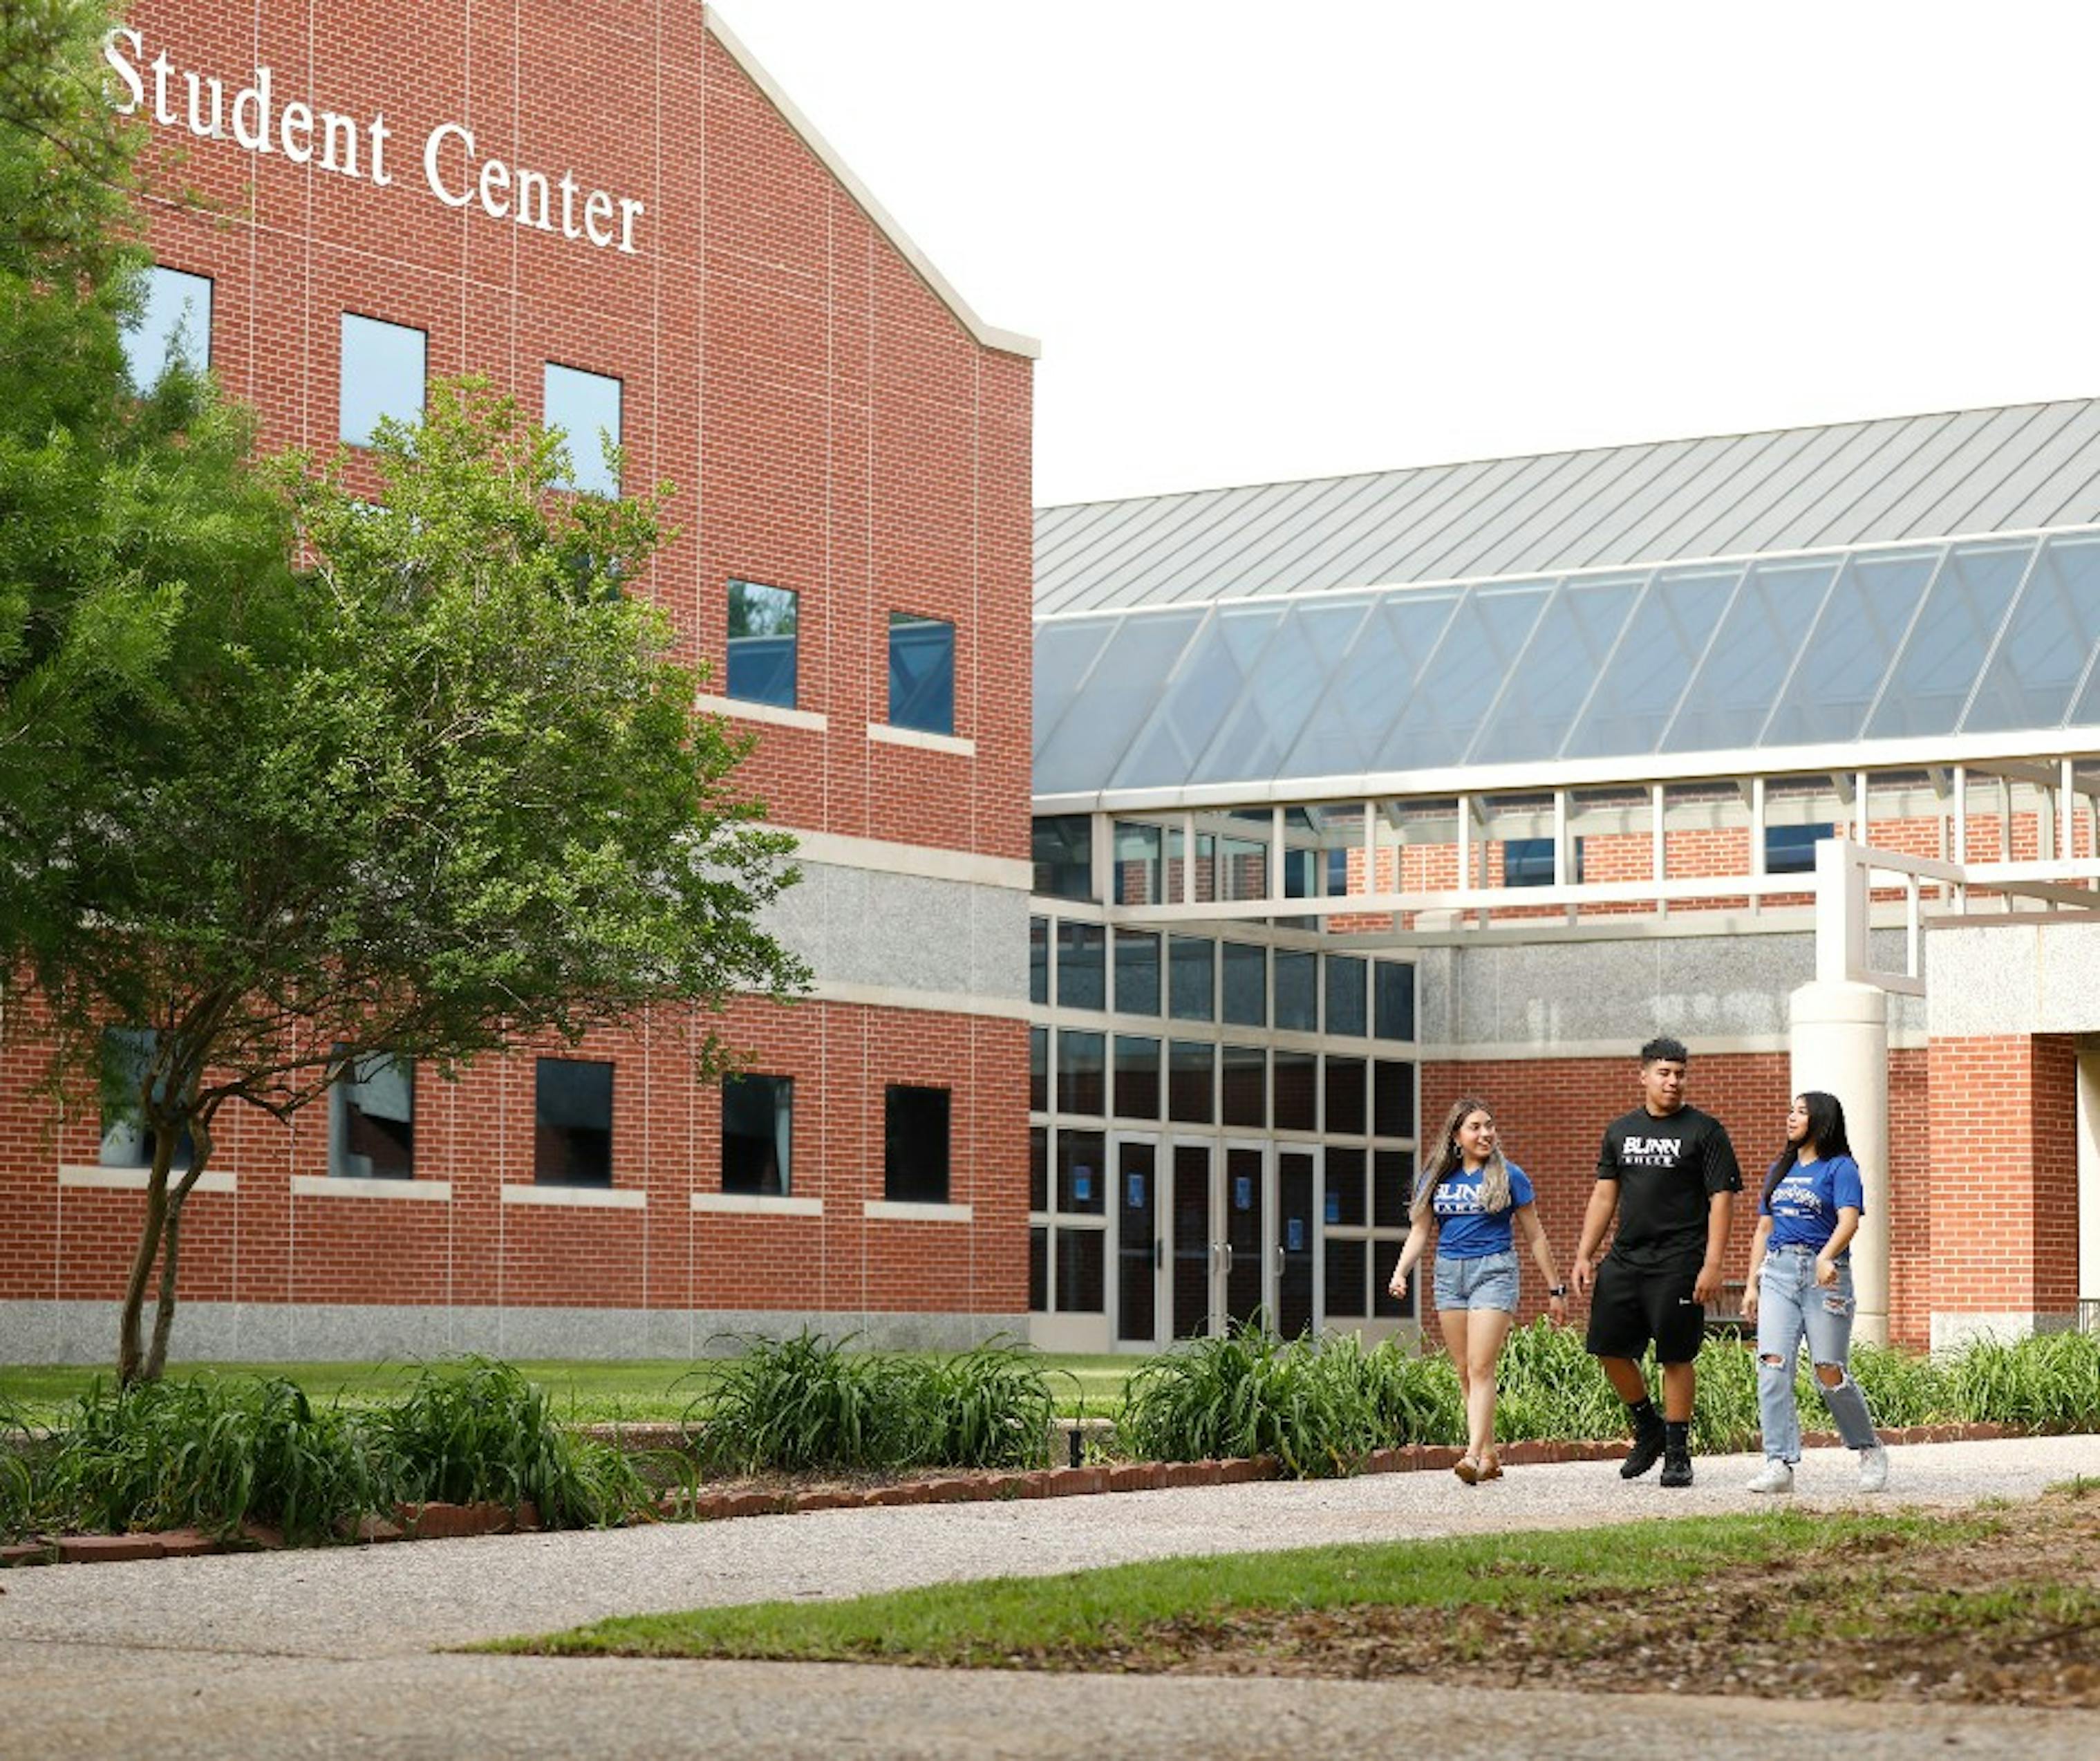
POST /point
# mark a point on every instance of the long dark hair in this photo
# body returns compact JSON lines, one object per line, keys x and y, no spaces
{"x":1495,"y":1172}
{"x":1826,"y":1131}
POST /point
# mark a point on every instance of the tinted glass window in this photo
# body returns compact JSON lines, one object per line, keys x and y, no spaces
{"x":922,"y":674}
{"x":174,"y":323}
{"x":1246,"y":985}
{"x":1393,"y":1100}
{"x":763,"y":641}
{"x":1345,"y":994}
{"x":758,"y":1119}
{"x":1791,"y":850}
{"x":1137,"y":1078}
{"x":1038,"y":960}
{"x":1346,"y":1090}
{"x":1296,"y":1076}
{"x":915,"y":1144}
{"x":1191,"y":990}
{"x":1136,"y":973}
{"x":1082,"y":1073}
{"x":572,"y":1122}
{"x":1394,"y":995}
{"x":585,"y":406}
{"x":1297,"y":991}
{"x":1188,"y":1083}
{"x":1064,"y":851}
{"x":127,"y":1140}
{"x":372,"y":1118}
{"x":1082,"y":966}
{"x":1246,"y":1087}
{"x":1082,"y":1178}
{"x":382,"y":375}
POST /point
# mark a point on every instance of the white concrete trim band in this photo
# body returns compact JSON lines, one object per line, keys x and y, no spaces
{"x":952,"y":744}
{"x":580,"y":1198}
{"x":735,"y":709}
{"x":756,"y":1204}
{"x":891,"y":1211}
{"x":353,"y":1187}
{"x":136,"y":1179}
{"x":834,"y":849}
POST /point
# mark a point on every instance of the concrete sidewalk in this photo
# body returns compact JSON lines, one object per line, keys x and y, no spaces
{"x":334,"y":1652}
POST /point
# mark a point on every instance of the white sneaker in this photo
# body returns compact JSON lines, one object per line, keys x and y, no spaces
{"x":1873,"y":1468}
{"x":1776,"y":1477}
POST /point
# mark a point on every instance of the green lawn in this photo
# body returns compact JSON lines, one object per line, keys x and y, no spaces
{"x":1082,"y":1618}
{"x":584,"y":1390}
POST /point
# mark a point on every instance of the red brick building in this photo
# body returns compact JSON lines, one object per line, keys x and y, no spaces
{"x":609,"y":211}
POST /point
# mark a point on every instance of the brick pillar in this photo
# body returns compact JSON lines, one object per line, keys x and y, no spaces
{"x":2004,"y":1185}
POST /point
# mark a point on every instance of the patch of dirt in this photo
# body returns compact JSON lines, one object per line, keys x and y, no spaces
{"x":2009,"y":1616}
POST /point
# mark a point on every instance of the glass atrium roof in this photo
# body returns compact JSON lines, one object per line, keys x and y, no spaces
{"x":1994,"y":635}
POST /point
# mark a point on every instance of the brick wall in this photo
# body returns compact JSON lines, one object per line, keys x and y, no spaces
{"x":828,"y":426}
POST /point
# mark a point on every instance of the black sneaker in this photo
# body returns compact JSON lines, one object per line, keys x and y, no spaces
{"x":1677,"y":1467}
{"x":1646,"y":1452}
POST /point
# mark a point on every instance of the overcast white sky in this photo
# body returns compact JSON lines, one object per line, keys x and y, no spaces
{"x":1262,"y":241}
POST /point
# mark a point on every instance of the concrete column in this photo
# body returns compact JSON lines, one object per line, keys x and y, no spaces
{"x":1840,"y":1043}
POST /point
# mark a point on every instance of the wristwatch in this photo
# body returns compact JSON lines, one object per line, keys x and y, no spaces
{"x":1558,"y":1290}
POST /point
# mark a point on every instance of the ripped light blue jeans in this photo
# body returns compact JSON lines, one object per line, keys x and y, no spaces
{"x":1792,"y":1306}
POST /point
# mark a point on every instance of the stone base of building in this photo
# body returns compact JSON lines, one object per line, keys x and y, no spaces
{"x":85,"y":1332}
{"x":1952,"y":1332}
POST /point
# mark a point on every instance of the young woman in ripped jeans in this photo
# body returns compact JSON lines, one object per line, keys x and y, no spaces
{"x":1800,"y":1286}
{"x":1478,"y":1199}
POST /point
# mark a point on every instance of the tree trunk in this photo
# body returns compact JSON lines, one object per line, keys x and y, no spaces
{"x":163,"y":1307}
{"x":130,"y":1355}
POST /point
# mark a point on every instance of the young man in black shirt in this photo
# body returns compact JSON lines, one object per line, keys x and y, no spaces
{"x":1669,"y":1172}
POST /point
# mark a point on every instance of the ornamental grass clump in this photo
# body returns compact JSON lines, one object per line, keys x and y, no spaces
{"x":1319,"y":1404}
{"x":471,"y":1430}
{"x":206,"y":1455}
{"x":2050,"y":1381}
{"x":811,"y":1404}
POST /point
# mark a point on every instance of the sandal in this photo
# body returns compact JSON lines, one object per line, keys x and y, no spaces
{"x":1467,"y":1470}
{"x":1491,"y":1466}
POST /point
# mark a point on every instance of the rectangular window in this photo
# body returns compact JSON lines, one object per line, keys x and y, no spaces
{"x":1393,"y":993}
{"x":1136,"y":973}
{"x":1039,"y":1070}
{"x":922,"y":674}
{"x":382,"y":375}
{"x":1082,"y":1073}
{"x":174,"y":323}
{"x":1082,"y":1186}
{"x":1137,"y":1078}
{"x":1189,"y":1069}
{"x":1346,"y":1261}
{"x":1039,"y":1168}
{"x":585,"y":406}
{"x":761,"y":644}
{"x":758,"y":1130}
{"x":1064,"y":854}
{"x":1791,"y":849}
{"x":1083,"y":978}
{"x":1246,"y":985}
{"x":1529,"y":861}
{"x":1345,"y":1089}
{"x":915,"y":1144}
{"x":1345,"y":1190}
{"x":1392,"y":1099}
{"x":372,"y":1118}
{"x":1297,"y":991}
{"x":1140,"y":868}
{"x":1246,"y":1086}
{"x":572,"y":1122}
{"x":1191,"y":988}
{"x":1082,"y":1270}
{"x":127,"y":1140}
{"x":1038,"y":960}
{"x":1038,"y":1270}
{"x":1345,"y":994}
{"x":1296,"y":1078}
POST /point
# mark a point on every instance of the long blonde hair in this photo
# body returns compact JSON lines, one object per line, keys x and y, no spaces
{"x":1495,"y":1172}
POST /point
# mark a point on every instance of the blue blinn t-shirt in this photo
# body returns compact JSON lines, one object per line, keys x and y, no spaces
{"x":1464,"y":1230}
{"x":1805,"y":1204}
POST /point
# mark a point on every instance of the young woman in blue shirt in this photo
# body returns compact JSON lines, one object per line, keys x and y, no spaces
{"x":1800,"y":1286}
{"x":1477,"y":1199}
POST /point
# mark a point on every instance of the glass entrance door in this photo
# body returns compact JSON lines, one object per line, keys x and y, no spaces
{"x":1194,"y":1241}
{"x":1294,"y":1235}
{"x":1140,"y":1240}
{"x":1245,"y":1199}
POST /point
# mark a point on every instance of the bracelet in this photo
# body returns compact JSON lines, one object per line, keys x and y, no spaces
{"x":1558,"y":1290}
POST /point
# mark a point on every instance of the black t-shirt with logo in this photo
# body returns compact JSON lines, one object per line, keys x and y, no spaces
{"x":1667,"y":1168}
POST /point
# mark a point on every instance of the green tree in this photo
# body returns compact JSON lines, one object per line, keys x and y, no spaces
{"x":286,"y":768}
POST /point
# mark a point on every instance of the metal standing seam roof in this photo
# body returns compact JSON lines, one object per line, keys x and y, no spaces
{"x":1961,"y":472}
{"x":1932,"y":577}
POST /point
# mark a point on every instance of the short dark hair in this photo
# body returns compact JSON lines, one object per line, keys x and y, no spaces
{"x":1664,"y":1048}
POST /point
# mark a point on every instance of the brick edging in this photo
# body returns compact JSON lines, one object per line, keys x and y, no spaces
{"x":452,"y":1522}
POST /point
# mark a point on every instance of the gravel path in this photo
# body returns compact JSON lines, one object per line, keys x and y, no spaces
{"x":334,"y":1652}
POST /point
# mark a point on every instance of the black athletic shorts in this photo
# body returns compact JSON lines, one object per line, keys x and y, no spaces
{"x":1630,"y":1305}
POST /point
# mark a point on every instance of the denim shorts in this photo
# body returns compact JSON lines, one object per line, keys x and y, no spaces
{"x":1487,"y":1282}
